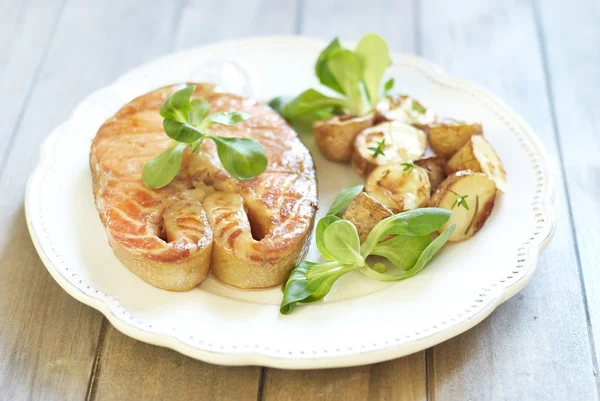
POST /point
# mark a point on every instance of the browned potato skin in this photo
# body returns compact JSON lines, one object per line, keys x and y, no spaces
{"x":465,"y":159}
{"x":383,"y":184}
{"x":435,"y":170}
{"x":484,"y":210}
{"x":335,"y":136}
{"x":446,"y":139}
{"x":365,"y":212}
{"x":362,"y":166}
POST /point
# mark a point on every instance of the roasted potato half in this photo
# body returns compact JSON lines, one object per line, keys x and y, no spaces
{"x":435,"y":170}
{"x":335,"y":136}
{"x":478,"y":155}
{"x":447,"y":137}
{"x":470,"y":196}
{"x":399,"y":186}
{"x":365,"y":212}
{"x":404,"y":109}
{"x":385,"y":143}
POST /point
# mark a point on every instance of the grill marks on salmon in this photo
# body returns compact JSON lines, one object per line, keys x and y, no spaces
{"x":252,"y":233}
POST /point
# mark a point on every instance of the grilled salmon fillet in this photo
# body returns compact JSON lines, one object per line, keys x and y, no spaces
{"x":250,"y":233}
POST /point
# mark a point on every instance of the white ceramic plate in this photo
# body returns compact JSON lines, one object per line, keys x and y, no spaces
{"x":361,"y":321}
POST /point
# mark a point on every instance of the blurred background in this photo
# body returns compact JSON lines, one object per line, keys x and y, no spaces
{"x":541,"y":57}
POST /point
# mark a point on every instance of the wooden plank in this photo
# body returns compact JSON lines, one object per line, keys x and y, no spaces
{"x":573,"y":57}
{"x":401,"y":379}
{"x":536,"y":345}
{"x":24,"y":27}
{"x":236,"y":20}
{"x":351,"y":19}
{"x":13,"y":15}
{"x":47,"y":339}
{"x":156,"y":372}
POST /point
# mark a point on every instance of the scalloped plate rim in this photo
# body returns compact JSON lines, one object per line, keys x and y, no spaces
{"x":360,"y":357}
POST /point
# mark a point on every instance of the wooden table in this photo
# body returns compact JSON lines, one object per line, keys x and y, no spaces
{"x":542,"y":57}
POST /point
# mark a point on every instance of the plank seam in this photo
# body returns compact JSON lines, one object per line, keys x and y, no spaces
{"x":95,"y":371}
{"x":261,"y":383}
{"x":36,"y":76}
{"x":549,"y":90}
{"x":429,"y":379}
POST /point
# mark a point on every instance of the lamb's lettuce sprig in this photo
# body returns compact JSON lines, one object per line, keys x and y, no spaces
{"x":410,"y":249}
{"x":354,"y":75}
{"x":187,"y":122}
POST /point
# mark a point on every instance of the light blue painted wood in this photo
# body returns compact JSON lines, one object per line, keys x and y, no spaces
{"x":350,"y":20}
{"x":534,"y":347}
{"x":47,"y":339}
{"x":571,"y":46}
{"x":165,"y":371}
{"x":25,"y":32}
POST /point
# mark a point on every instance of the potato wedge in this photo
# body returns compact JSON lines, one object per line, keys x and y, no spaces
{"x":447,"y":137}
{"x":478,"y":155}
{"x":365,"y":212}
{"x":470,"y":196}
{"x":435,"y":170}
{"x":401,"y":143}
{"x":404,"y":109}
{"x":399,"y":187}
{"x":335,"y":136}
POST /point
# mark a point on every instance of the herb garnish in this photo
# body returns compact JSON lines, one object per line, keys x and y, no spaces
{"x":186,"y":122}
{"x":355,"y":76}
{"x":378,"y":150}
{"x":474,"y":214}
{"x":337,"y":240}
{"x":461,"y":200}
{"x":408,"y":166}
{"x":416,"y":106}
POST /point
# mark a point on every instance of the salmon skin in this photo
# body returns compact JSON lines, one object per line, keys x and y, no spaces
{"x":250,"y":233}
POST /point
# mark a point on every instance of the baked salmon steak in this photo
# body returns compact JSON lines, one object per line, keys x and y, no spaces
{"x":250,"y":233}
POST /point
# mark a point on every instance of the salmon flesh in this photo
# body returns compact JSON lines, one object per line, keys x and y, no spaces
{"x":250,"y":233}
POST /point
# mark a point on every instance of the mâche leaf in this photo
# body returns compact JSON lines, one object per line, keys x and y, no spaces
{"x":343,"y":198}
{"x":309,"y":102}
{"x":181,"y":132}
{"x":347,"y":69}
{"x":277,"y":103}
{"x":161,"y":170}
{"x":242,"y":158}
{"x":199,"y":111}
{"x":228,"y":118}
{"x":415,"y":222}
{"x":402,"y":250}
{"x":178,"y":105}
{"x":310,"y":282}
{"x":338,"y":242}
{"x":320,"y":233}
{"x":322,"y":69}
{"x":427,"y":254}
{"x":309,"y":106}
{"x":186,"y":122}
{"x":375,"y":59}
{"x":355,"y":76}
{"x":341,"y":242}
